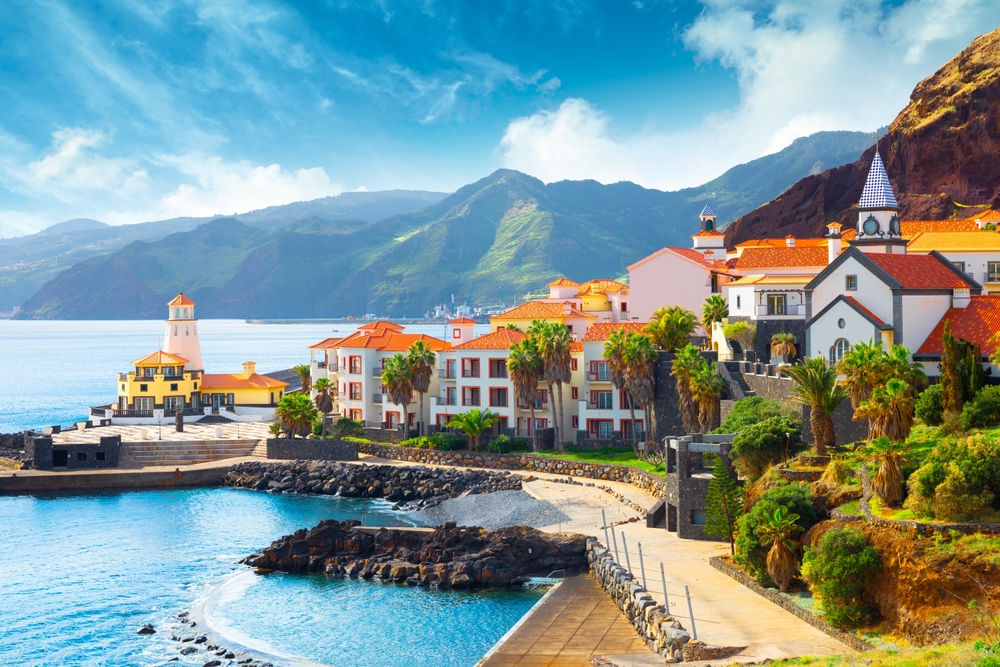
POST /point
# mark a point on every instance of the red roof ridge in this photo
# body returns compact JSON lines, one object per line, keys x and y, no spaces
{"x":865,"y":310}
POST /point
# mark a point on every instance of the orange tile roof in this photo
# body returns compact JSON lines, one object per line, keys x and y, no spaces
{"x":602,"y":286}
{"x":392,"y":341}
{"x":563,"y":282}
{"x":917,"y":271}
{"x":576,"y":346}
{"x":501,"y":339}
{"x":955,"y":241}
{"x":782,"y":257}
{"x":180,"y":300}
{"x":699,"y":257}
{"x":160,"y":358}
{"x":976,"y":323}
{"x":326,"y":344}
{"x":379,"y":325}
{"x":988,"y":216}
{"x":462,"y":320}
{"x":708,"y":232}
{"x":603,"y":330}
{"x":909,"y":228}
{"x":541,"y":310}
{"x":865,"y":310}
{"x":227,"y":381}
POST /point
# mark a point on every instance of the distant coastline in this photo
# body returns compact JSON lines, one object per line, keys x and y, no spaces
{"x":359,"y":322}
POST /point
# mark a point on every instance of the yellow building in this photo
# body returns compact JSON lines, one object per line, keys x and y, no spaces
{"x":246,"y":389}
{"x":565,"y":313}
{"x":159,"y":381}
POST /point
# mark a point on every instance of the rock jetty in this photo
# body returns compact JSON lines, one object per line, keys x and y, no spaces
{"x":412,"y":486}
{"x":447,"y":557}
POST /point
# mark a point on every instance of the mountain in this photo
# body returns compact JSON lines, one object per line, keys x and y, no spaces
{"x":28,"y":262}
{"x":507,"y":231}
{"x":942,"y":154}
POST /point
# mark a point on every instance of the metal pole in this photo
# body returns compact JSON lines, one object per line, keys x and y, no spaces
{"x":663,"y":580}
{"x":604,"y":521}
{"x":642,"y":570}
{"x":625,"y":548}
{"x":694,"y":631}
{"x":614,"y":540}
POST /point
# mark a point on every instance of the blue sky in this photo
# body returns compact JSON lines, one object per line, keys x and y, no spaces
{"x":131,"y":110}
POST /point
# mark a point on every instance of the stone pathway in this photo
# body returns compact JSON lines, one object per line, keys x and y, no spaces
{"x":192,"y":433}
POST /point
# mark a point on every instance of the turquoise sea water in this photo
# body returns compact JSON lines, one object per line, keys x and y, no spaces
{"x":80,"y":573}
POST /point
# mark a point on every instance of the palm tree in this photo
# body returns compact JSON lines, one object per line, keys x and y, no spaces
{"x":553,"y":340}
{"x":614,"y":349}
{"x":474,"y":423}
{"x":421,"y":359}
{"x":899,"y":365}
{"x":525,"y":369}
{"x":777,"y":530}
{"x":687,"y":361}
{"x":714,"y":310}
{"x":671,"y":327}
{"x":889,"y":410}
{"x":398,"y":381}
{"x":706,"y":389}
{"x":538,"y":331}
{"x":888,"y":482}
{"x":296,"y":413}
{"x":323,"y":399}
{"x":303,"y":371}
{"x":639,"y":358}
{"x":783,"y":345}
{"x":818,"y":389}
{"x":863,"y":367}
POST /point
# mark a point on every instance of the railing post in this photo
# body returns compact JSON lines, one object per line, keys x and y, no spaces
{"x":618,"y":558}
{"x":663,"y":580}
{"x":642,"y":569}
{"x":604,"y":522}
{"x":694,"y":630}
{"x":628,"y":564}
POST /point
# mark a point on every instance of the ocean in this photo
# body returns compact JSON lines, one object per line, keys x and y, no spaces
{"x":52,"y":372}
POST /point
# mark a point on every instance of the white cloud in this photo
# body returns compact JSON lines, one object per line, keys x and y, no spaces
{"x":802,"y":67}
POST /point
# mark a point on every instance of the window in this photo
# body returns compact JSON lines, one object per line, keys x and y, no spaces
{"x":541,"y":401}
{"x":574,"y":365}
{"x":852,"y":282}
{"x":498,"y":398}
{"x":354,"y":364}
{"x":737,"y":302}
{"x":709,"y":225}
{"x":230,"y":399}
{"x":601,"y":400}
{"x":498,"y":368}
{"x":99,"y":456}
{"x":993,"y":274}
{"x":173,"y":386}
{"x":355,"y":392}
{"x":451,"y":396}
{"x":838,"y":350}
{"x":175,"y":329}
{"x":575,"y":392}
{"x":624,"y":400}
{"x":775,"y":304}
{"x":470,"y":395}
{"x":168,"y":371}
{"x":628,"y":426}
{"x":449,"y":369}
{"x":456,"y":333}
{"x":715,"y":283}
{"x":81,"y":456}
{"x":599,"y":371}
{"x":576,"y":422}
{"x":470,"y":368}
{"x":144,"y":404}
{"x":959,"y":265}
{"x":143,"y":387}
{"x":624,"y":308}
{"x":149,"y":372}
{"x":173,"y":402}
{"x":355,"y":415}
{"x":391,"y":419}
{"x":600,"y":428}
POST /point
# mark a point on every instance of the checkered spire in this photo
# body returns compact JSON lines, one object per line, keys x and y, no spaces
{"x":878,"y":192}
{"x":707,"y":212}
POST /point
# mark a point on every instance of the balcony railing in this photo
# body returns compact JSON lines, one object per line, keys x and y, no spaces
{"x":990,"y":277}
{"x":600,"y":406}
{"x":767,"y":310}
{"x":376,"y":398}
{"x":470,"y":372}
{"x":470,"y":403}
{"x":502,"y":375}
{"x":599,"y":376}
{"x":446,"y":374}
{"x":445,"y":400}
{"x":320,"y":364}
{"x":498,"y":404}
{"x":376,"y":372}
{"x":155,"y":377}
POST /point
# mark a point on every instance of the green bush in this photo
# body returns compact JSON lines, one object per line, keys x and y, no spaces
{"x":983,"y":410}
{"x":974,"y":466}
{"x":751,"y":555}
{"x":930,"y":410}
{"x":447,"y":442}
{"x":520,"y":445}
{"x":838,"y":569}
{"x":420,"y":442}
{"x":500,"y":444}
{"x":758,"y":445}
{"x":747,"y":411}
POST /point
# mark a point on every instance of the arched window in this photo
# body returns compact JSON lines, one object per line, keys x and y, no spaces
{"x":838,"y":350}
{"x":709,"y":225}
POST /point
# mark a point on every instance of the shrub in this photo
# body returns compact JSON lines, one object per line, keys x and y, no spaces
{"x":929,"y":409}
{"x":955,"y":501}
{"x":520,"y":445}
{"x":500,"y":444}
{"x":447,"y":442}
{"x":838,"y":569}
{"x":983,"y":410}
{"x":751,"y":554}
{"x":759,"y":445}
{"x":421,"y":442}
{"x":747,"y":411}
{"x":978,"y":461}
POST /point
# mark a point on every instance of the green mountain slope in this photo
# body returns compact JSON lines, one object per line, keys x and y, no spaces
{"x":508,"y":231}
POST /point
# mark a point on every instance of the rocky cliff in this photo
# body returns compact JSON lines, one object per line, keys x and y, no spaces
{"x":942,"y":153}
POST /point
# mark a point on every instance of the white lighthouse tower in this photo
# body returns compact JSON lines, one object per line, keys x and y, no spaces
{"x":181,"y":337}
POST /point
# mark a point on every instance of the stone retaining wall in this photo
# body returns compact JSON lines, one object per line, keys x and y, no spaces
{"x":723,"y":564}
{"x":317,"y":450}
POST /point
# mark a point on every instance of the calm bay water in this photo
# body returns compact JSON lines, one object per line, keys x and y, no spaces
{"x":82,"y":572}
{"x":52,"y":372}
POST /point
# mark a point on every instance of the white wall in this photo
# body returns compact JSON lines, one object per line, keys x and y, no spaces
{"x":921,"y":313}
{"x":667,"y":280}
{"x":872,"y":293}
{"x":824,"y":332}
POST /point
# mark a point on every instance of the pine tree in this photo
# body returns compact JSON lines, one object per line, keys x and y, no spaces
{"x":724,"y":504}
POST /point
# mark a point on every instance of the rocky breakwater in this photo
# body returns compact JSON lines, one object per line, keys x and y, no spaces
{"x":448,"y":556}
{"x":412,"y":486}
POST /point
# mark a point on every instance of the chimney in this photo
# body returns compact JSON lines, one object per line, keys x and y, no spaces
{"x":249,"y":368}
{"x":709,"y":256}
{"x":833,"y":242}
{"x":790,"y":241}
{"x":567,"y":308}
{"x":961,"y":297}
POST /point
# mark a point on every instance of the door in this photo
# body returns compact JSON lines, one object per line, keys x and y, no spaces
{"x":216,"y":402}
{"x":60,"y":458}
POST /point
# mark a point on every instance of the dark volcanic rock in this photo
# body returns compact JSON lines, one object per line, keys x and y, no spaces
{"x":448,"y":556}
{"x":147,"y":629}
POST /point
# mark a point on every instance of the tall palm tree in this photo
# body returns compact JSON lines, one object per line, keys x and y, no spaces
{"x":296,"y":414}
{"x":863,"y":367}
{"x":671,"y":327}
{"x":538,"y":332}
{"x":525,"y":369}
{"x":323,"y":399}
{"x":899,"y":365}
{"x":706,"y":389}
{"x":888,"y":482}
{"x":398,"y":381}
{"x":783,"y":345}
{"x":715,"y":309}
{"x":818,"y":389}
{"x":421,"y":359}
{"x":687,"y":361}
{"x":777,"y":530}
{"x":474,"y":423}
{"x":639,"y":357}
{"x":614,"y":349}
{"x":889,"y":410}
{"x":554,"y":347}
{"x":304,"y":372}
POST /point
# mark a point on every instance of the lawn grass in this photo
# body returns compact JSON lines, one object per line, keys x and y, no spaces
{"x":983,"y":549}
{"x":964,"y":655}
{"x":603,"y":457}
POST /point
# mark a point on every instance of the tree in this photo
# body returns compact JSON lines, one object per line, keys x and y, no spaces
{"x":421,"y":359}
{"x":743,"y":333}
{"x":889,"y":410}
{"x":863,"y":367}
{"x":613,"y":353}
{"x":839,"y":568}
{"x":304,"y":373}
{"x":714,"y":310}
{"x":553,"y":342}
{"x":888,"y":482}
{"x":525,"y":369}
{"x":640,"y":382}
{"x":961,"y":374}
{"x":296,"y":413}
{"x":671,"y":327}
{"x":777,"y":530}
{"x":474,"y":424}
{"x":687,"y":361}
{"x":783,"y":345}
{"x":724,"y":504}
{"x":323,"y":399}
{"x":706,"y":389}
{"x":818,"y":389}
{"x":900,"y":366}
{"x":398,"y":381}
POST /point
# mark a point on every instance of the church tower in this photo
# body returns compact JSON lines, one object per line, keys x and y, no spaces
{"x":181,"y":337}
{"x":710,"y":241}
{"x":878,"y":219}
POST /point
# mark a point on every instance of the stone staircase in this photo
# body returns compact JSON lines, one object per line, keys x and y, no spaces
{"x":734,"y":376}
{"x":183,"y":452}
{"x":260,"y":449}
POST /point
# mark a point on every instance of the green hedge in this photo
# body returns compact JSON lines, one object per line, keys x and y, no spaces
{"x":751,"y":555}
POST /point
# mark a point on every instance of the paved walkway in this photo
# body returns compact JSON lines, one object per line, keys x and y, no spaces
{"x":192,"y":432}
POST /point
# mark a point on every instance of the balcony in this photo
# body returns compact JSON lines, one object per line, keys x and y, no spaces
{"x":446,"y":374}
{"x":377,"y":398}
{"x":470,"y":372}
{"x":445,"y":400}
{"x":989,"y":277}
{"x":785,"y":310}
{"x":599,"y":376}
{"x":376,"y":372}
{"x":320,"y":364}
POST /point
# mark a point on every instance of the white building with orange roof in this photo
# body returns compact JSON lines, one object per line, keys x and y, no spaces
{"x":606,"y":299}
{"x":564,"y":312}
{"x":602,"y":409}
{"x":975,"y":253}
